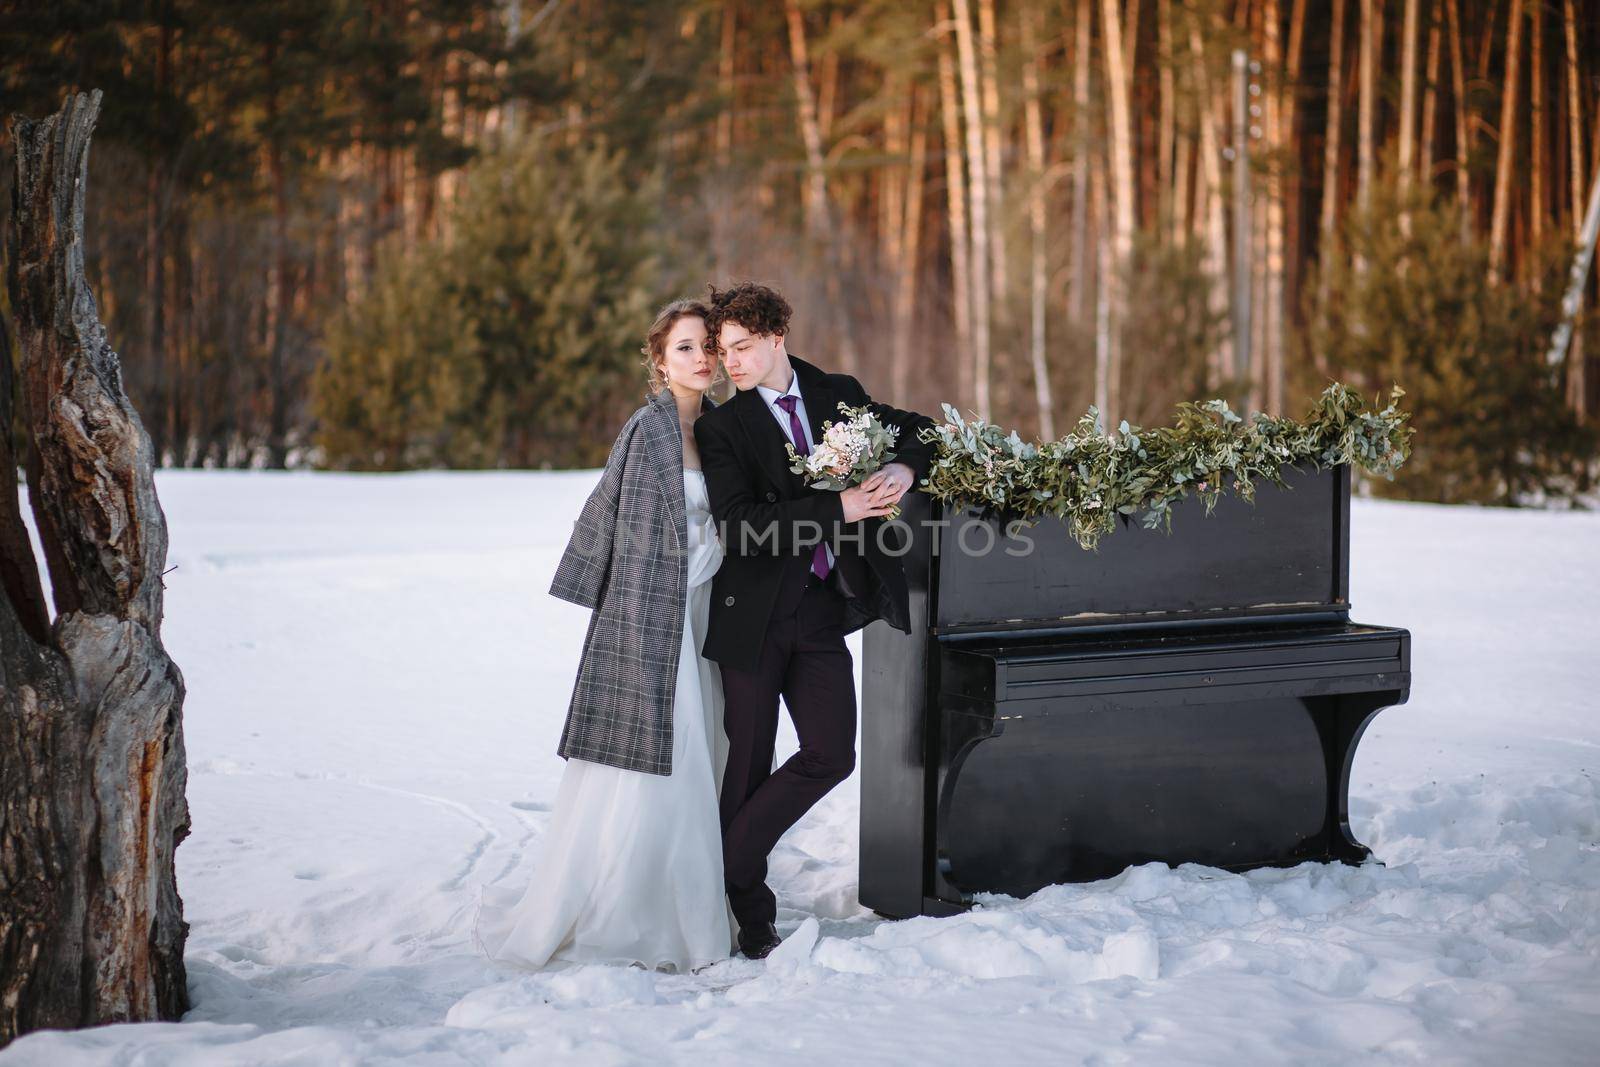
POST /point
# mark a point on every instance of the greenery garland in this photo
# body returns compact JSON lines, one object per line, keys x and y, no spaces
{"x":1089,"y":478}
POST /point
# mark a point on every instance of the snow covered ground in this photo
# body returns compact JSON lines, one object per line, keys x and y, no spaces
{"x":377,"y":679}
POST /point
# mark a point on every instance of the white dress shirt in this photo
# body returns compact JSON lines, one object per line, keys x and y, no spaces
{"x":771,"y":397}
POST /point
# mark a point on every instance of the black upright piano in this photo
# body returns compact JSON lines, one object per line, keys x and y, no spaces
{"x":1058,"y":714}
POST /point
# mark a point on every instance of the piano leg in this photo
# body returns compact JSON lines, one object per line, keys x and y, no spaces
{"x":1341,"y":723}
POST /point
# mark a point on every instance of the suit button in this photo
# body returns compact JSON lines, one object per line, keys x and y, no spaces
{"x":728,"y":602}
{"x":771,"y":495}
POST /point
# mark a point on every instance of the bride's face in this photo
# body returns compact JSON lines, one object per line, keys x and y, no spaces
{"x":688,"y":364}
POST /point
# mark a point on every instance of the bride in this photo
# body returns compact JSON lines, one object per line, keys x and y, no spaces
{"x":631,"y":868}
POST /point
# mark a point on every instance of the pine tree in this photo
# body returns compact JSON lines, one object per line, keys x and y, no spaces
{"x":1488,"y":410}
{"x":515,"y":340}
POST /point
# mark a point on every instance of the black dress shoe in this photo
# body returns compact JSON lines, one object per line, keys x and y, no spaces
{"x":756,"y":941}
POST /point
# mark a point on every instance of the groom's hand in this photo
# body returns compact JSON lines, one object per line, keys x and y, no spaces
{"x":895,"y":478}
{"x":861,"y":502}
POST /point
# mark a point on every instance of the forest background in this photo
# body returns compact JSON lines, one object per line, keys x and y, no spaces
{"x":388,"y":234}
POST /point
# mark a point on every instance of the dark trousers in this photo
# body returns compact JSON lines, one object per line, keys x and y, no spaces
{"x":803,"y":659}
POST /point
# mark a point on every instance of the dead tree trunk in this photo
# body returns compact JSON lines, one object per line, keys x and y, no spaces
{"x":92,"y":784}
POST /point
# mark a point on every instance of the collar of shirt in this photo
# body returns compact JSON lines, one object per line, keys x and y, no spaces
{"x":771,"y":395}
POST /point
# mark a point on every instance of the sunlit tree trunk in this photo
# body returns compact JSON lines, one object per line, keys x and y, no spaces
{"x":1166,"y":125}
{"x":818,"y":222}
{"x":1244,"y":228}
{"x":725,"y":68}
{"x":1276,"y":115}
{"x":1208,"y":198}
{"x":989,"y":81}
{"x":1330,"y":146}
{"x":1122,"y":195}
{"x":1293,"y":244}
{"x":956,"y":199}
{"x":1458,"y":91}
{"x":1106,"y":265}
{"x":828,"y":82}
{"x":1576,"y":390}
{"x":1410,"y":30}
{"x":887,"y":178}
{"x":1034,"y":123}
{"x":1367,"y":107}
{"x":1501,"y":217}
{"x":1430,"y":99}
{"x":1082,"y":67}
{"x":1536,"y":188}
{"x":978,"y":188}
{"x":910,"y":248}
{"x":816,"y":184}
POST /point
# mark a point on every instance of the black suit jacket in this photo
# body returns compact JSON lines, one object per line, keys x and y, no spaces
{"x":765,"y":514}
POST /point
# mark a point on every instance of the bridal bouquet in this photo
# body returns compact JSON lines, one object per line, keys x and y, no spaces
{"x":850,"y":452}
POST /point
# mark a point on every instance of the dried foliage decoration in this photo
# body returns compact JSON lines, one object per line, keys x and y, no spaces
{"x":1088,"y":478}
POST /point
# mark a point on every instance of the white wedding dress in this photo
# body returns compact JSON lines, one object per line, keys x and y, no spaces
{"x":631,"y":868}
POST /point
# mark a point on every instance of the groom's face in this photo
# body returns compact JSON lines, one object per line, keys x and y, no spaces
{"x":751,"y":358}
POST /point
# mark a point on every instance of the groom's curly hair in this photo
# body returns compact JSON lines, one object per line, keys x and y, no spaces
{"x":757,"y":308}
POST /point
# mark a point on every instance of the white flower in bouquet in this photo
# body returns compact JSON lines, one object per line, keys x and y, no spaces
{"x":851,"y":451}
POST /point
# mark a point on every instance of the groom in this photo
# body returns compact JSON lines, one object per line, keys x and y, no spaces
{"x":803,"y":567}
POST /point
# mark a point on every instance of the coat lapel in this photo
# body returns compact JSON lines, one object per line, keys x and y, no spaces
{"x":820,"y":403}
{"x":766,"y":439}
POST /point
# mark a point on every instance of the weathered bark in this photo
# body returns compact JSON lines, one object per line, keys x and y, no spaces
{"x":92,"y":800}
{"x":19,"y":576}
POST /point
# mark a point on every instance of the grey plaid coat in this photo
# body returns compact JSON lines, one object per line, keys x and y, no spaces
{"x":627,"y":560}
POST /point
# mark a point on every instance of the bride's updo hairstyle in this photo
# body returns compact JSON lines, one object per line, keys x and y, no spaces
{"x":655,"y":342}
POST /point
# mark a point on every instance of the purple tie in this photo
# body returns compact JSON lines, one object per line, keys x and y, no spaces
{"x":819,"y":556}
